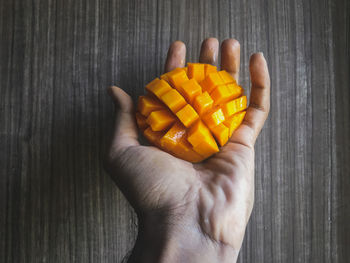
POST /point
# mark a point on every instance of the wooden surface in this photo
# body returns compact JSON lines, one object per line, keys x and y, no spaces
{"x":56,"y":60}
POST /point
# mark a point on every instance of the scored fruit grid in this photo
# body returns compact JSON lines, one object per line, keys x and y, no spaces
{"x":179,"y":99}
{"x":180,"y":102}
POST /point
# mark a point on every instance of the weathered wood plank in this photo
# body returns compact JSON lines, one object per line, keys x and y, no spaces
{"x":56,"y":60}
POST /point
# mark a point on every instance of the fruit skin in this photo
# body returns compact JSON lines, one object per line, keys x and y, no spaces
{"x":189,"y":111}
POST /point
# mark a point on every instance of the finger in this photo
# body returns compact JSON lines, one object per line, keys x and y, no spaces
{"x":125,"y":134}
{"x":176,"y":56}
{"x":259,"y":104}
{"x":230,"y":57}
{"x":209,"y":51}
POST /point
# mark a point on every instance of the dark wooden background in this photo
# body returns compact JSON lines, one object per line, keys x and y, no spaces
{"x":57,"y":58}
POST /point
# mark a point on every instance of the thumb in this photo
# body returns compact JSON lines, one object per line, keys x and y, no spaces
{"x":125,"y":133}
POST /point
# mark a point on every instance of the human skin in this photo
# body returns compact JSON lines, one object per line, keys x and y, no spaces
{"x":191,"y":212}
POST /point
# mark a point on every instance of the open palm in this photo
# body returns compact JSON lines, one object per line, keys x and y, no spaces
{"x":211,"y":201}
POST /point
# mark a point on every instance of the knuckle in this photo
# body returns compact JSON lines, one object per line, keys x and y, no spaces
{"x":249,"y":123}
{"x":259,"y":107}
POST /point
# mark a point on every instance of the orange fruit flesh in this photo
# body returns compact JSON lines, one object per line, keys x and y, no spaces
{"x":192,"y":110}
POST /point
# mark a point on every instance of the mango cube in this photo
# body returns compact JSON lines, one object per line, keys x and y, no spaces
{"x":211,"y":82}
{"x":234,"y":121}
{"x":165,"y":76}
{"x":185,"y":150}
{"x":221,"y":94}
{"x":235,"y":90}
{"x":220,"y":133}
{"x":198,"y":133}
{"x":176,"y":78}
{"x":160,"y":120}
{"x":158,"y":87}
{"x":153,"y":136}
{"x":209,"y":69}
{"x":207,"y":148}
{"x":173,"y":136}
{"x":201,"y":139}
{"x":226,"y":77}
{"x":213,"y":118}
{"x":173,"y":100}
{"x":196,"y":71}
{"x":202,"y":103}
{"x":152,"y":83}
{"x":147,"y":104}
{"x":190,"y":89}
{"x":187,"y":115}
{"x":234,"y":106}
{"x":175,"y":142}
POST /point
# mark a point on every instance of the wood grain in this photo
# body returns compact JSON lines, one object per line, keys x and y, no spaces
{"x":56,"y":60}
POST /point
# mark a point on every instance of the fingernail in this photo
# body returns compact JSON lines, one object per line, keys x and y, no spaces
{"x":261,"y":53}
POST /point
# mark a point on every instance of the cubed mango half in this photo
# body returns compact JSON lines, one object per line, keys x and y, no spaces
{"x":191,"y":111}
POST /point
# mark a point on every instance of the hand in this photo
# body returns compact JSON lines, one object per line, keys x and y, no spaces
{"x":191,"y":212}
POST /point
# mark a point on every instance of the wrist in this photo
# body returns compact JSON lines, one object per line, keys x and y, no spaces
{"x":172,"y":239}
